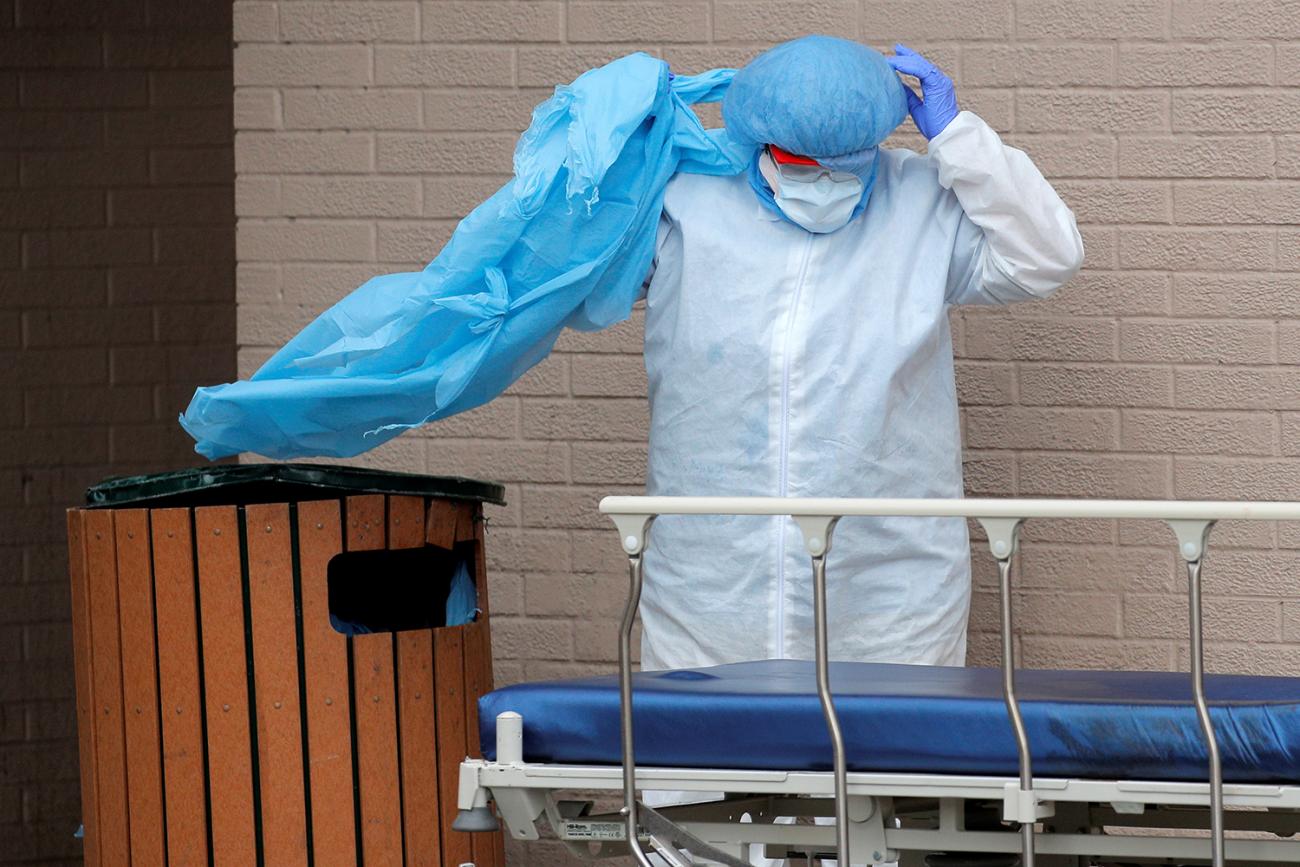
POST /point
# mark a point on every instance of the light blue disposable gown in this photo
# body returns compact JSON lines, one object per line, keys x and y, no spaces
{"x":567,"y":243}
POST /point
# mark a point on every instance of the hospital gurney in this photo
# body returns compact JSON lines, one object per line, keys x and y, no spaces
{"x":919,"y":764}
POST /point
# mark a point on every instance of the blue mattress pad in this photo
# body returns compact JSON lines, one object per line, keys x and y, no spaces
{"x":913,"y":719}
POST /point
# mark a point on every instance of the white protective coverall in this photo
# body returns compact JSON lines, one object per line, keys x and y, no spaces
{"x":787,"y":363}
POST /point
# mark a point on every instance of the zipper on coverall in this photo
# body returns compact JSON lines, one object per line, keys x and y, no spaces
{"x":783,"y":480}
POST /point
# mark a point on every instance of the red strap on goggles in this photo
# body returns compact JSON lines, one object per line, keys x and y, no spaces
{"x":786,"y":158}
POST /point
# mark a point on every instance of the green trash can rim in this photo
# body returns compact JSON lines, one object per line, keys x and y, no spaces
{"x":244,"y":484}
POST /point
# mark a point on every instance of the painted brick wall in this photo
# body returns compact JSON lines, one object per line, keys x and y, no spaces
{"x":1169,"y":368}
{"x":116,"y":299}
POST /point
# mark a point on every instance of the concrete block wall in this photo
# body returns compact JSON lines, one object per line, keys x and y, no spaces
{"x":116,"y":299}
{"x":1169,"y":368}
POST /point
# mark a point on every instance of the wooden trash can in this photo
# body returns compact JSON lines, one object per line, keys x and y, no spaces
{"x":245,"y":695}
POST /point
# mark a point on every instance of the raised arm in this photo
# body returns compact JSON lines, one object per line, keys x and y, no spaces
{"x":1022,"y":242}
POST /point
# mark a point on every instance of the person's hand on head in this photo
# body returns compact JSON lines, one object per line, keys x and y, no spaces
{"x":936,"y":105}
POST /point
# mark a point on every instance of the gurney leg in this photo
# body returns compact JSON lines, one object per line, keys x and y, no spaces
{"x":1003,"y":536}
{"x":1207,"y":726}
{"x":667,"y":839}
{"x":1192,"y":537}
{"x":828,"y":710}
{"x":625,"y":697}
{"x":817,"y":539}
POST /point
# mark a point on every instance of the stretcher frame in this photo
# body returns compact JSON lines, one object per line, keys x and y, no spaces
{"x":889,"y":816}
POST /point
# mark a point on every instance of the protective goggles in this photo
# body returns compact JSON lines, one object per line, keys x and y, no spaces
{"x":797,"y":169}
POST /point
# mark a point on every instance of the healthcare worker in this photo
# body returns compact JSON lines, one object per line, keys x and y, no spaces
{"x":796,"y":335}
{"x":797,"y":344}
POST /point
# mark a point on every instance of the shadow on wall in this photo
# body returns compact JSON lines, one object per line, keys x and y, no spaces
{"x":116,"y":300}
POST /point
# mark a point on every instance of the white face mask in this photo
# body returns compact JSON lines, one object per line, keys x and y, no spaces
{"x":821,"y":205}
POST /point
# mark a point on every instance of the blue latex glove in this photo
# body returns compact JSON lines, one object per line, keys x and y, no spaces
{"x":935,"y":107}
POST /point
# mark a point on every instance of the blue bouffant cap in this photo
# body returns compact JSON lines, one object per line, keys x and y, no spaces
{"x":817,"y":96}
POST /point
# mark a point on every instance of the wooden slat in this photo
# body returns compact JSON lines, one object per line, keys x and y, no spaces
{"x":419,"y":771}
{"x":475,"y":651}
{"x":479,"y":533}
{"x":440,"y":523}
{"x":375,"y":709}
{"x":367,"y":529}
{"x":483,"y":680}
{"x":184,"y":774}
{"x":405,"y":522}
{"x":325,"y":660}
{"x":419,"y":752}
{"x":376,"y":720}
{"x":139,"y":685}
{"x":449,"y":699}
{"x":83,"y":656}
{"x":225,"y":677}
{"x":478,"y":682}
{"x":110,"y":733}
{"x":466,"y":511}
{"x":275,"y":669}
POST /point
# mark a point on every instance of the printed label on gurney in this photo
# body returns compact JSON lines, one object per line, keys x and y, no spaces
{"x":593,"y":831}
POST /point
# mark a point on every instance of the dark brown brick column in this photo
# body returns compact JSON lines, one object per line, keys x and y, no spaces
{"x":116,"y":299}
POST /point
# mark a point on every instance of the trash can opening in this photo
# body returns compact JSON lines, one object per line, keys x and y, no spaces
{"x":400,"y":589}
